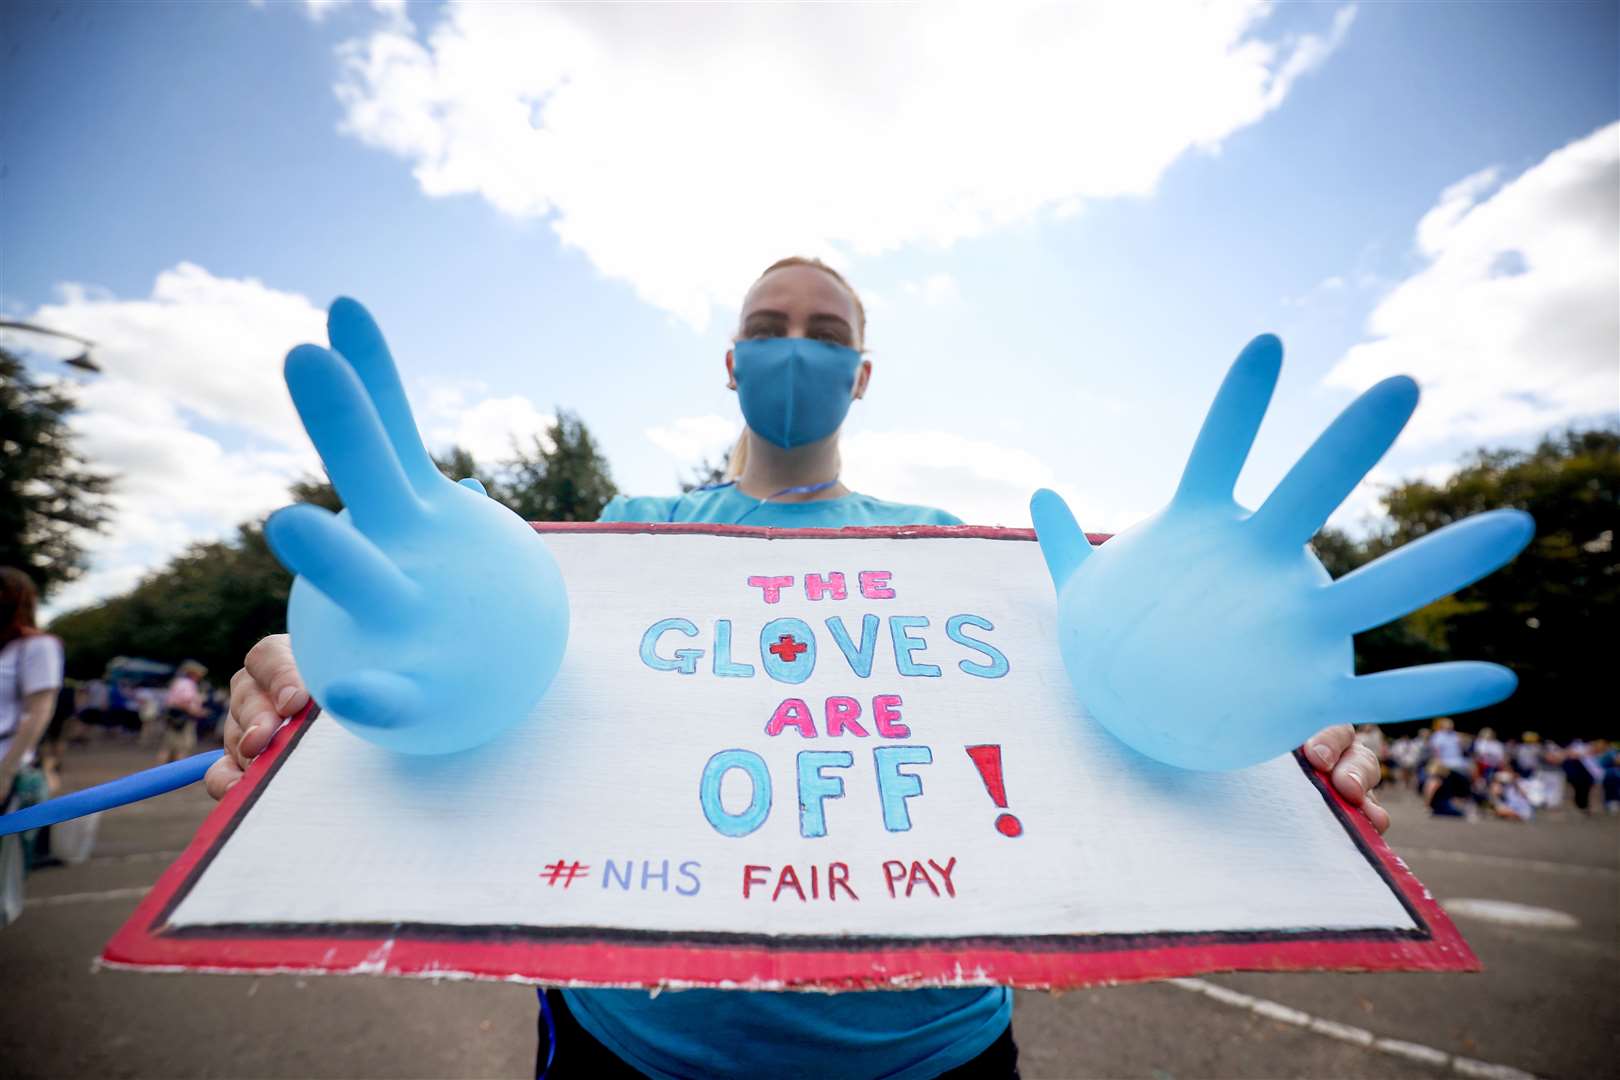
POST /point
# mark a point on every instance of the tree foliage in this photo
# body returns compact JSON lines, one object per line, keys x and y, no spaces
{"x":707,"y":472}
{"x":213,"y":601}
{"x":210,"y":603}
{"x":1550,"y":615}
{"x":561,"y":477}
{"x":49,"y":497}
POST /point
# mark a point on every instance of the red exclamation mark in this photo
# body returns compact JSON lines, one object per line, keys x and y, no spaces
{"x":987,"y":759}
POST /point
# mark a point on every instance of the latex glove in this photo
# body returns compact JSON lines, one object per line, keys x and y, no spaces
{"x":426,"y":617}
{"x":1210,"y":637}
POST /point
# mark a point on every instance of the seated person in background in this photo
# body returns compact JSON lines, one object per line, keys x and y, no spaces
{"x":1508,"y":799}
{"x":1447,"y":792}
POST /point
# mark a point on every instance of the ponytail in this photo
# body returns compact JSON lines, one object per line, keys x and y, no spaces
{"x":739,"y":457}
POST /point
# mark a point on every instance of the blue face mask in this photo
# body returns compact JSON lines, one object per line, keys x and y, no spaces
{"x":794,"y":391}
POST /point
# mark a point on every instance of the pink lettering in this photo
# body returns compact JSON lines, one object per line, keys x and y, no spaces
{"x":816,"y":586}
{"x":771,"y":587}
{"x":886,"y":715}
{"x":842,"y":713}
{"x":793,"y":712}
{"x":875,"y":584}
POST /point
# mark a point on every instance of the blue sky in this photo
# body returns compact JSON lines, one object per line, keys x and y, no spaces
{"x":1065,"y":225}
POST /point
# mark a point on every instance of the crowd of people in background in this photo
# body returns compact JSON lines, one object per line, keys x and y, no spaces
{"x":1471,"y":776}
{"x":169,"y":709}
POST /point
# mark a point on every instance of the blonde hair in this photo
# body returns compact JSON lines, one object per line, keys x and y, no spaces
{"x":739,"y":452}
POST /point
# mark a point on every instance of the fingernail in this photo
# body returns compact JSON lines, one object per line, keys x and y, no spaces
{"x":1321,"y":755}
{"x":1355,"y":782}
{"x":286,"y":695}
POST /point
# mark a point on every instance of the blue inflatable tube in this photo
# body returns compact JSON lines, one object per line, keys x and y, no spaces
{"x":126,"y":789}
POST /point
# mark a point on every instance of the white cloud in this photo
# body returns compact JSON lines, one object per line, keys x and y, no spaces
{"x":682,"y":147}
{"x":488,"y":428}
{"x":934,"y":290}
{"x":1330,"y":287}
{"x":1512,"y":325}
{"x":209,"y":345}
{"x":320,"y":9}
{"x":392,"y":11}
{"x":982,"y":482}
{"x":690,"y":439}
{"x":192,"y":415}
{"x":1454,"y":204}
{"x":195,"y":363}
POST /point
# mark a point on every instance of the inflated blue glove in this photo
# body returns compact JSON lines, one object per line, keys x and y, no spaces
{"x":1209,"y":637}
{"x":426,"y":617}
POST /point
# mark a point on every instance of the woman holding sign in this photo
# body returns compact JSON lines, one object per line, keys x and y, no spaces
{"x":797,"y":367}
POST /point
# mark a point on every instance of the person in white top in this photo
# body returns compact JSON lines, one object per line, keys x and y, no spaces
{"x":30,"y":677}
{"x":1446,"y":745}
{"x":1489,"y":754}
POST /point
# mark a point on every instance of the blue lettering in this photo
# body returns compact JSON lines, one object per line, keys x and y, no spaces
{"x":787,"y":648}
{"x":860,"y":660}
{"x":759,"y":803}
{"x":684,"y":661}
{"x":815,"y":789}
{"x":900,"y":627}
{"x":612,"y":871}
{"x":662,"y":876}
{"x":723,"y":665}
{"x":894,"y":786}
{"x":997,"y":667}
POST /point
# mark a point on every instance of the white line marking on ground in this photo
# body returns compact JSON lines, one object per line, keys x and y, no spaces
{"x":1343,"y":1032}
{"x":86,"y":897}
{"x":1415,"y":1052}
{"x":1507,"y":913}
{"x":1485,"y":1070}
{"x":1423,"y":1055}
{"x":1542,"y":865}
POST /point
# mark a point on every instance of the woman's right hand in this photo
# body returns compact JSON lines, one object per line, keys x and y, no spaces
{"x":264,"y":692}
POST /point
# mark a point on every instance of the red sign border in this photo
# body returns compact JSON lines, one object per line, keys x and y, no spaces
{"x":145,"y":942}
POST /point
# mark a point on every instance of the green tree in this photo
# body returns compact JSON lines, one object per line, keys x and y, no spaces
{"x":458,"y":464}
{"x":561,"y":477}
{"x":49,"y":496}
{"x":210,"y":603}
{"x":1550,"y":615}
{"x":707,"y":472}
{"x":214,"y":600}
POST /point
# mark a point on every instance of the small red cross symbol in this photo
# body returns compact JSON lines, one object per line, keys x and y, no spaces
{"x":788,"y":648}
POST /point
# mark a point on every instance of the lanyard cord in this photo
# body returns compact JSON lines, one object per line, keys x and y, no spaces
{"x":801,"y":489}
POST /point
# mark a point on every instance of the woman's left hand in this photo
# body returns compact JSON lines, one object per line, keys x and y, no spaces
{"x":1353,"y":769}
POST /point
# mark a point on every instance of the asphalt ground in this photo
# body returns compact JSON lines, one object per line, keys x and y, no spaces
{"x":1548,"y":1003}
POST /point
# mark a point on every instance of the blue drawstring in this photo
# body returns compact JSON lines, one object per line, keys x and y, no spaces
{"x":551,"y":1032}
{"x":801,"y":489}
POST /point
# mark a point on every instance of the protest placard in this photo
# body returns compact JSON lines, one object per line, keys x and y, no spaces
{"x":777,"y":759}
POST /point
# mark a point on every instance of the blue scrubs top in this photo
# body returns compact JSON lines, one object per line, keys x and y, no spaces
{"x":899,"y":1034}
{"x":727,"y":505}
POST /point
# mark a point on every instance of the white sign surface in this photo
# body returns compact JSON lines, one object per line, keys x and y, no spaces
{"x":843,"y":742}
